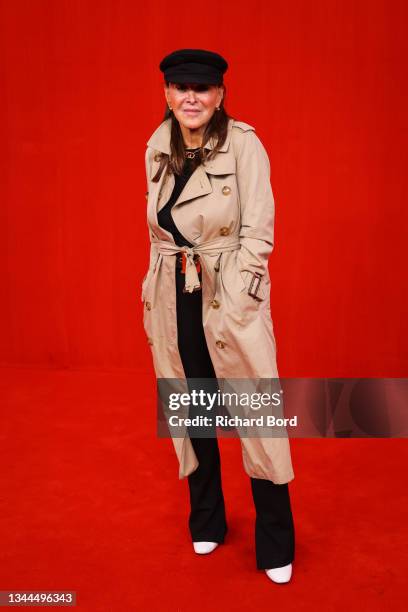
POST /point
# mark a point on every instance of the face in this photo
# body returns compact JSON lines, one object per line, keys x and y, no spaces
{"x":193,"y":104}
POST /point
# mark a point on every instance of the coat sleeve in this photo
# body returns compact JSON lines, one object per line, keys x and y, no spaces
{"x":257,"y":209}
{"x":153,"y":248}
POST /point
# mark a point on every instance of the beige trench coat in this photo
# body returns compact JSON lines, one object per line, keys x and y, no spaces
{"x":226,"y":210}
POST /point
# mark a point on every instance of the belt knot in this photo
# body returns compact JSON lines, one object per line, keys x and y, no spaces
{"x":192,"y":282}
{"x":215,"y":246}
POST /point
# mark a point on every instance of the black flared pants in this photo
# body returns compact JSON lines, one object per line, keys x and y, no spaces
{"x":274,"y":526}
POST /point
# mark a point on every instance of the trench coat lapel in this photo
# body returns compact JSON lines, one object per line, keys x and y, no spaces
{"x":154,"y":191}
{"x":199,"y":183}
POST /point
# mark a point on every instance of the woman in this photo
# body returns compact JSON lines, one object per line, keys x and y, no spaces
{"x":206,"y":293}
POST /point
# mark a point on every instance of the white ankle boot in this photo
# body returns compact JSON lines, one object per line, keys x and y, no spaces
{"x":280,"y":574}
{"x":203,"y":548}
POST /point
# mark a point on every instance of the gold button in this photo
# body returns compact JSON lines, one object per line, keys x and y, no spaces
{"x":148,"y":306}
{"x":220,"y":344}
{"x":157,"y":157}
{"x":147,"y":195}
{"x":149,"y":341}
{"x":224,"y":231}
{"x":215,"y":304}
{"x":226,"y":190}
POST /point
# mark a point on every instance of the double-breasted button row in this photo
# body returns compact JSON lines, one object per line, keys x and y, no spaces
{"x":215,"y":304}
{"x":224,"y":231}
{"x":226,"y":190}
{"x":148,"y":306}
{"x":157,"y":157}
{"x":220,"y":344}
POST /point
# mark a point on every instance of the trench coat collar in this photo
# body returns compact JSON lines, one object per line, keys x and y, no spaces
{"x":160,"y":139}
{"x":199,"y":183}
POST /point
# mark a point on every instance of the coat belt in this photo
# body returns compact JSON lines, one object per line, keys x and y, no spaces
{"x":211,"y":247}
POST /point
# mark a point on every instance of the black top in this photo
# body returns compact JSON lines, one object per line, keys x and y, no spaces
{"x":164,"y":215}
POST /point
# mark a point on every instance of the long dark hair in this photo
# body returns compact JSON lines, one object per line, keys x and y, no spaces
{"x":216,"y":128}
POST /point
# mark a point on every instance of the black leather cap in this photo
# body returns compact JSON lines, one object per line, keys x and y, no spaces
{"x":193,"y":66}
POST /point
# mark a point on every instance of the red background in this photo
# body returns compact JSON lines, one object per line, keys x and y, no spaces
{"x":323,"y":85}
{"x":90,"y":498}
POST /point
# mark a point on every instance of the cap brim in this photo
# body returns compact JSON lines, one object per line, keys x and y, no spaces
{"x":194,"y":78}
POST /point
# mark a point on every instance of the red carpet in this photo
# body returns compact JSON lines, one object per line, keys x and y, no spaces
{"x":91,"y":502}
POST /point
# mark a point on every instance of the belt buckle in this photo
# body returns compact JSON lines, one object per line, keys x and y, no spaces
{"x":254,"y":285}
